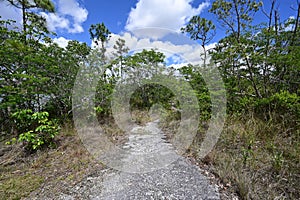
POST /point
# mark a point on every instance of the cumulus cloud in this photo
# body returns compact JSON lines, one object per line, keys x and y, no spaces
{"x":72,"y":8}
{"x":69,"y":16}
{"x":167,"y":14}
{"x":61,"y":41}
{"x":176,"y":54}
{"x":55,"y":21}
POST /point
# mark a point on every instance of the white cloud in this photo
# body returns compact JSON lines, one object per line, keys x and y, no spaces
{"x":178,"y":54}
{"x":73,"y":9}
{"x":69,"y":16}
{"x":61,"y":41}
{"x":168,"y":14}
{"x":55,"y":21}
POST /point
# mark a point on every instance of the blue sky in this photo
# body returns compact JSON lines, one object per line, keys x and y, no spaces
{"x":115,"y":13}
{"x":74,"y":17}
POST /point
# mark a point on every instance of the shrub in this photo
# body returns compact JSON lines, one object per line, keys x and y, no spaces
{"x":36,"y":129}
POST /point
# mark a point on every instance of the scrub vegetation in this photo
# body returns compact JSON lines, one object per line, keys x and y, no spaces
{"x":258,"y":152}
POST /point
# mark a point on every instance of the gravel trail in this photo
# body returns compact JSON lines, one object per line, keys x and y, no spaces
{"x":160,"y":173}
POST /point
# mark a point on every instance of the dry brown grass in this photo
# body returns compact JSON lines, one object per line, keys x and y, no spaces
{"x":27,"y":175}
{"x":260,"y":159}
{"x":264,"y":153}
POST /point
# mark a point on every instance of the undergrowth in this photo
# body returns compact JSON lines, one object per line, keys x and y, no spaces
{"x":48,"y":171}
{"x":259,"y":157}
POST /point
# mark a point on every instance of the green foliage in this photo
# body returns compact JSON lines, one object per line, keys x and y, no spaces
{"x":45,"y":5}
{"x":98,"y":109}
{"x":277,"y":158}
{"x":235,"y":15}
{"x":36,"y":129}
{"x":247,"y":151}
{"x":140,"y":68}
{"x":36,"y":73}
{"x":257,"y":62}
{"x":150,"y":94}
{"x":286,"y":102}
{"x":99,"y":32}
{"x":19,"y":186}
{"x":193,"y":75}
{"x":283,"y":103}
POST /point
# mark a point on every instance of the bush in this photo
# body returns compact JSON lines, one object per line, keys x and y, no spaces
{"x":283,"y":103}
{"x":36,"y":129}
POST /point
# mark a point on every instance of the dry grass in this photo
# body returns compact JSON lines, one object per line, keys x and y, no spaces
{"x":259,"y":158}
{"x":140,"y":117}
{"x":24,"y":175}
{"x":263,"y":158}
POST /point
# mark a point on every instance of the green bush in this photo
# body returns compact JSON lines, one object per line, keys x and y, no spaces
{"x":283,"y":103}
{"x":36,"y":129}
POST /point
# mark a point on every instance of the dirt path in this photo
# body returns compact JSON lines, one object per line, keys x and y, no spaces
{"x":146,"y":173}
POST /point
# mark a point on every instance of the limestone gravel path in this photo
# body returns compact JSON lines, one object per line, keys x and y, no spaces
{"x":146,"y":149}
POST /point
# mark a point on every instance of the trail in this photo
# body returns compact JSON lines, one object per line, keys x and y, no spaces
{"x":161,"y":173}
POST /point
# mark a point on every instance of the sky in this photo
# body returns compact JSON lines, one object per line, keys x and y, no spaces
{"x":74,"y":17}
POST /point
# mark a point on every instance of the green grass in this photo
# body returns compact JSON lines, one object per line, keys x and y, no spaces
{"x":14,"y":186}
